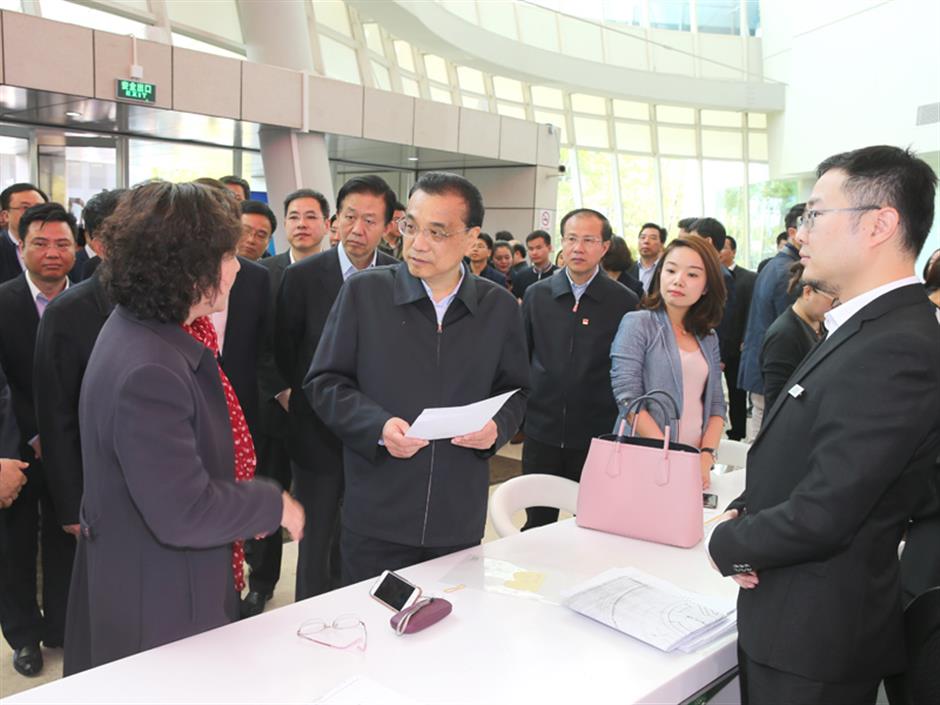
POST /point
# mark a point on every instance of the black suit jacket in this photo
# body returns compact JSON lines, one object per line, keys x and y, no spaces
{"x":740,"y":307}
{"x":308,"y":290}
{"x":19,"y":321}
{"x":832,"y":478}
{"x":527,"y":277}
{"x":9,"y":262}
{"x":9,"y":433}
{"x":632,"y":283}
{"x":272,"y":419}
{"x":77,"y":272}
{"x":66,"y":337}
{"x":245,"y":328}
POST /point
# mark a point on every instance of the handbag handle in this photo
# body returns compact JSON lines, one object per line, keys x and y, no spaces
{"x":653,"y":396}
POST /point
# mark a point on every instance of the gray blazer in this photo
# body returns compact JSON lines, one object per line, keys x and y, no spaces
{"x":645,"y":357}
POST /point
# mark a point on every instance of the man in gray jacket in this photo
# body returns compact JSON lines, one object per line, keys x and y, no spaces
{"x":403,"y":338}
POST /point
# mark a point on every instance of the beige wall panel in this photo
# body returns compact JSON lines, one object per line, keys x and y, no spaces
{"x":272,"y":95}
{"x":479,"y":133}
{"x":518,"y":140}
{"x":436,"y":125}
{"x":518,"y":221}
{"x":546,"y":187}
{"x":206,"y":84}
{"x":388,"y":116}
{"x":1,"y":48}
{"x":47,"y":55}
{"x":511,"y":187}
{"x":335,"y":106}
{"x":113,"y":58}
{"x":549,"y":144}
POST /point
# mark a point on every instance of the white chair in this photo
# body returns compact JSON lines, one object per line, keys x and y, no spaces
{"x":530,"y":491}
{"x":731,"y":454}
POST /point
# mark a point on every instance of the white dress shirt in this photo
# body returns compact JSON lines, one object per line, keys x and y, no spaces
{"x":347,"y":267}
{"x":844,"y":311}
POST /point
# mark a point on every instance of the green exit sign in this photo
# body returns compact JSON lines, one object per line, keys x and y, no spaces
{"x":128,"y":89}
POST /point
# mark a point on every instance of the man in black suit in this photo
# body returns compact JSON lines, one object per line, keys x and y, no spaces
{"x":743,"y":289}
{"x":14,"y":200}
{"x":714,"y":231}
{"x":650,"y":244}
{"x":539,"y":245}
{"x":67,"y":333}
{"x":847,"y":454}
{"x":364,"y":207}
{"x":571,"y":319}
{"x":47,"y":232}
{"x":258,"y":224}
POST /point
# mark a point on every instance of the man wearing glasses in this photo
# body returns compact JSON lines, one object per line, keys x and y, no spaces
{"x":402,"y":339}
{"x":14,"y":200}
{"x":364,"y":207}
{"x":847,"y":454}
{"x":571,"y":319}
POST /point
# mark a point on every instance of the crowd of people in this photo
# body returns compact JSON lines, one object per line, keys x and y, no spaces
{"x":173,"y":400}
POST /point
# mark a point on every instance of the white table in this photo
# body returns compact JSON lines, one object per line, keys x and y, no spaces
{"x":493,"y":648}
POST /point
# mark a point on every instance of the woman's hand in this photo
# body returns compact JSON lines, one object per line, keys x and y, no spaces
{"x":293,"y":518}
{"x":12,"y":480}
{"x":708,"y":461}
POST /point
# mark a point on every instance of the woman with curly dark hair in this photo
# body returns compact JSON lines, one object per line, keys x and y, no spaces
{"x":169,"y":493}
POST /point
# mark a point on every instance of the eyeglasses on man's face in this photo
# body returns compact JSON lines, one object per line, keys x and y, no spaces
{"x":346,"y":625}
{"x":587,"y":240}
{"x":808,"y":219}
{"x":409,"y":229}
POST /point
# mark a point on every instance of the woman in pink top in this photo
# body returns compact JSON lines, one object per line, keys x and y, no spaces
{"x":671,"y":346}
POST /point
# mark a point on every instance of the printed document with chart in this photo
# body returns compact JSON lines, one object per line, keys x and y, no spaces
{"x":653,"y":610}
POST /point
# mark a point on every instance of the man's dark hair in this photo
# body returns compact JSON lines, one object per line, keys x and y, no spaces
{"x":890,"y":177}
{"x":165,"y":247}
{"x":46,"y":213}
{"x":710,"y":229}
{"x":238,"y":181}
{"x":99,"y":207}
{"x":308,"y":193}
{"x":487,"y":239}
{"x":398,"y":206}
{"x":374,"y":186}
{"x":734,"y":243}
{"x":502,"y":243}
{"x":662,"y":231}
{"x":618,"y":257}
{"x":259,"y":208}
{"x":932,"y":276}
{"x":518,"y":247}
{"x":606,"y":230}
{"x":783,"y":237}
{"x":441,"y":182}
{"x":18,"y":188}
{"x":686,"y":224}
{"x":932,"y":260}
{"x":502,"y":235}
{"x":793,"y":215}
{"x":538,"y":234}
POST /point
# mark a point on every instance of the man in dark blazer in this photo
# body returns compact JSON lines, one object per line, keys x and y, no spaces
{"x":650,"y":243}
{"x":402,"y":339}
{"x":731,"y":354}
{"x":847,"y":454}
{"x":14,"y":200}
{"x":539,"y":245}
{"x":364,"y":207}
{"x":571,"y":319}
{"x":47,"y":232}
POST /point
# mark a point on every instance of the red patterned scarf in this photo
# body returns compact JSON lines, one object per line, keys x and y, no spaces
{"x":202,"y":330}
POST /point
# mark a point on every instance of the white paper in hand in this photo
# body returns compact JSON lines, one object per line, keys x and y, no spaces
{"x":450,"y":421}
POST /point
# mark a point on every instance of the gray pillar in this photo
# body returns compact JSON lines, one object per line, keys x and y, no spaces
{"x":277,"y":33}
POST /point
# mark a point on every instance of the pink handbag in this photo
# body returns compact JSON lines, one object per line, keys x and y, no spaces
{"x":641,"y":487}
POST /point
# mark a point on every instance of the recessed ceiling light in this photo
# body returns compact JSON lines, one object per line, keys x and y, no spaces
{"x":412,"y":159}
{"x":72,"y":114}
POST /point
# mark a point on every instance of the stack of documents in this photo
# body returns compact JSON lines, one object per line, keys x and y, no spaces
{"x":653,"y":610}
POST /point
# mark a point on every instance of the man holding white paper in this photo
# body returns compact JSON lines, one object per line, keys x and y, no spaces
{"x":406,"y":338}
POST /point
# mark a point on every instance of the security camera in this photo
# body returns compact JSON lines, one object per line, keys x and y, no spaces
{"x":562,"y":169}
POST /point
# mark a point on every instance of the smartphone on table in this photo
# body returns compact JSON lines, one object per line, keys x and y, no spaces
{"x":394,"y":591}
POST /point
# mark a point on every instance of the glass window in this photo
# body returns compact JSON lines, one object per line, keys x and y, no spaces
{"x":15,"y":6}
{"x":556,"y":119}
{"x":181,"y":40}
{"x":173,"y":161}
{"x":436,"y":68}
{"x":598,"y":187}
{"x":508,"y":89}
{"x":373,"y":37}
{"x":681,"y":190}
{"x":670,"y":14}
{"x":380,"y":75}
{"x":753,"y":18}
{"x":471,"y":79}
{"x":768,"y":203}
{"x":568,"y":198}
{"x":722,"y":143}
{"x":215,"y":16}
{"x":593,"y":104}
{"x":757,"y":146}
{"x":511,"y":110}
{"x":410,"y":87}
{"x":14,"y":160}
{"x":404,"y":55}
{"x":440,"y":95}
{"x":547,"y":97}
{"x":718,"y":16}
{"x":591,"y":132}
{"x":477,"y":102}
{"x":580,"y":39}
{"x":467,"y":9}
{"x":538,"y":27}
{"x":676,"y":140}
{"x":74,"y":13}
{"x":758,"y":120}
{"x":330,"y":13}
{"x":253,"y":171}
{"x":498,"y":17}
{"x":629,"y":109}
{"x":721,"y":118}
{"x":633,"y":137}
{"x":89,"y":170}
{"x":723,"y":190}
{"x":637,"y":195}
{"x":339,"y":60}
{"x":672,"y":113}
